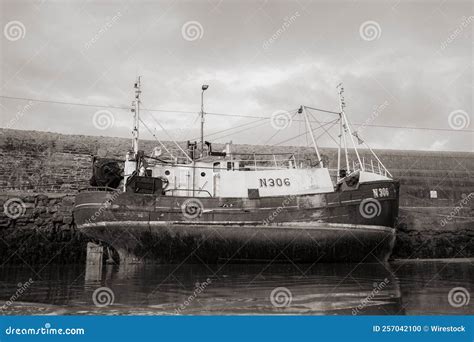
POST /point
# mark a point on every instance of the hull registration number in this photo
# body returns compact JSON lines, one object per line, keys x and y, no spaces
{"x":380,"y":192}
{"x":271,"y":182}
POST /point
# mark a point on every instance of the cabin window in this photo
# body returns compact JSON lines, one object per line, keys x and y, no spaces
{"x":216,"y":167}
{"x":229,"y":166}
{"x":203,"y":174}
{"x":167,"y":172}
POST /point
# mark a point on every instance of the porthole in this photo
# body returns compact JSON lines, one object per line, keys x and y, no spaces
{"x":167,"y":172}
{"x":203,"y":174}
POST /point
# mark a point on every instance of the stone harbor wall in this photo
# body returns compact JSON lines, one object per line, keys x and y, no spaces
{"x":435,"y":233}
{"x":45,"y":171}
{"x":39,"y":229}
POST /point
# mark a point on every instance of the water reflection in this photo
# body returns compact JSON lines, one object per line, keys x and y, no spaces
{"x":426,"y":285}
{"x":239,"y":289}
{"x":348,"y":289}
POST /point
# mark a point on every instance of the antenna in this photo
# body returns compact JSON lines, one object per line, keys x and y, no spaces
{"x":136,"y":115}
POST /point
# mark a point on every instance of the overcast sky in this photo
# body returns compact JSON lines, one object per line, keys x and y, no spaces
{"x":402,"y":63}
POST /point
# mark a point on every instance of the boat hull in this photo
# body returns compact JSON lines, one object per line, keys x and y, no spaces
{"x":215,"y":243}
{"x":302,"y":229}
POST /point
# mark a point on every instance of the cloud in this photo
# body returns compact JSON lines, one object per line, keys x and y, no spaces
{"x":322,"y":47}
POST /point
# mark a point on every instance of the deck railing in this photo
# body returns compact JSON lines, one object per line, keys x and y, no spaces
{"x":99,"y":188}
{"x":371,"y":166}
{"x":190,"y":191}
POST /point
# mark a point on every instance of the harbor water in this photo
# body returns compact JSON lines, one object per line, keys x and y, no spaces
{"x":409,"y":287}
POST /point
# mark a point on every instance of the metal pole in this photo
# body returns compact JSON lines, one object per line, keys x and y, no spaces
{"x":342,"y":104}
{"x":352,"y":139}
{"x":136,"y":116}
{"x":339,"y":149}
{"x":308,"y":124}
{"x":202,"y":123}
{"x":345,"y":150}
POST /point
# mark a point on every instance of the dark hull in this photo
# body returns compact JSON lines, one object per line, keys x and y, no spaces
{"x":304,"y":229}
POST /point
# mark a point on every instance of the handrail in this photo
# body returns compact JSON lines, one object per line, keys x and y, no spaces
{"x":193,"y":190}
{"x":262,"y":154}
{"x":377,"y":169}
{"x":255,"y":163}
{"x":99,"y":188}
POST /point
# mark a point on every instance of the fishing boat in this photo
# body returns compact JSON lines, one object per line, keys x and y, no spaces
{"x":208,"y":206}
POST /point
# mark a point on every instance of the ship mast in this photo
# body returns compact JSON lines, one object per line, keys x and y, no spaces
{"x":136,"y":115}
{"x":339,"y":150}
{"x":204,"y":87}
{"x":343,"y":128}
{"x":346,"y":126}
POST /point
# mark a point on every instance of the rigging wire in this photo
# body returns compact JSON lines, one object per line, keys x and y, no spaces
{"x":279,"y":130}
{"x":229,"y":129}
{"x":169,"y":136}
{"x":323,"y":110}
{"x":181,"y":128}
{"x":329,"y":134}
{"x":306,"y":132}
{"x":227,"y":114}
{"x":154,"y":136}
{"x":242,"y":130}
{"x":64,"y":102}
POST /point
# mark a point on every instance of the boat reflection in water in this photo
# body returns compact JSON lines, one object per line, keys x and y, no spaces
{"x":347,"y":289}
{"x":410,"y":287}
